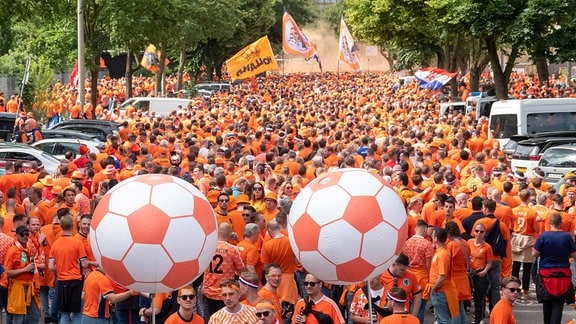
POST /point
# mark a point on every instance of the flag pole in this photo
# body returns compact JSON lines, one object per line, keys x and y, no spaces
{"x":81,"y":60}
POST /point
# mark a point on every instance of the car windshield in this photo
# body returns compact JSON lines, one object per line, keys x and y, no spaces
{"x":559,"y":158}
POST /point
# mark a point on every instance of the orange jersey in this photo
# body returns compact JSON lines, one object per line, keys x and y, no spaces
{"x":524,"y":219}
{"x":96,"y":287}
{"x":225,"y":264}
{"x":67,"y":253}
{"x":176,"y":318}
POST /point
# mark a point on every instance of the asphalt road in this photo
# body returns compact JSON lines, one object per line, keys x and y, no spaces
{"x":526,"y":310}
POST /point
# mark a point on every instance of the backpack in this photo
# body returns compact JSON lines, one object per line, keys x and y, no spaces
{"x":495,"y":239}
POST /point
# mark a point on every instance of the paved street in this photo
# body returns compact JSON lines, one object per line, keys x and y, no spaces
{"x":527,"y":311}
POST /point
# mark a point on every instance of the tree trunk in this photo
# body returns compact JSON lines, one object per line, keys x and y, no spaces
{"x":94,"y":68}
{"x":160,"y":87}
{"x":128,"y":74}
{"x":475,"y":72}
{"x":181,"y":69}
{"x":501,"y":77}
{"x":542,"y":68}
{"x":388,"y":59}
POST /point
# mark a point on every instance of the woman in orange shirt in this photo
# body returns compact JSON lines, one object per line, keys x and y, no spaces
{"x":480,"y":263}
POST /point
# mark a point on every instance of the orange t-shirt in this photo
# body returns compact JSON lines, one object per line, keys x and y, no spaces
{"x":502,"y":313}
{"x":250,"y":255}
{"x":479,"y":254}
{"x":14,"y":261}
{"x":440,"y":266}
{"x":280,"y":251}
{"x":67,"y":253}
{"x":176,"y":318}
{"x":96,"y":287}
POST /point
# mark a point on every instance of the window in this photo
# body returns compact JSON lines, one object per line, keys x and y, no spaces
{"x":559,"y":158}
{"x":504,"y":126}
{"x":46,"y":147}
{"x":550,"y":122}
{"x":62,"y":148}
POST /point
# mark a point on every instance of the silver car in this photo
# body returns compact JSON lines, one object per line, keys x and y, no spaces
{"x":15,"y":152}
{"x":557,"y":161}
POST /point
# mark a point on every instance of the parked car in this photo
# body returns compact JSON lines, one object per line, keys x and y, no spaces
{"x":7,"y":121}
{"x":94,"y":127}
{"x":62,"y":133}
{"x":529,"y":151}
{"x":57,"y":147}
{"x":22,"y":152}
{"x":557,"y":161}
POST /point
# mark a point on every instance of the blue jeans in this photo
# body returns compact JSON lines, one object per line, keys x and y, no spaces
{"x":92,"y":320}
{"x":441,"y":311}
{"x":47,"y":295}
{"x":70,"y":318}
{"x":422,"y":310}
{"x":32,"y":315}
{"x":494,"y":282}
{"x":461,"y":318}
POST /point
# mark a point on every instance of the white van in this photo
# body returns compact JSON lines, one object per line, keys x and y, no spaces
{"x":479,"y":103}
{"x":158,"y":106}
{"x":531,"y":116}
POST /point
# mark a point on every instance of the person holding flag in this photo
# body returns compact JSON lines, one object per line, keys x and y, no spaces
{"x":347,"y":47}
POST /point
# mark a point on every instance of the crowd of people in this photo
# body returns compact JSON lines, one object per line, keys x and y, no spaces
{"x":473,"y":224}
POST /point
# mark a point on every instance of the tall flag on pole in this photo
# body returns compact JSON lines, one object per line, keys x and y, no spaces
{"x":294,"y":41}
{"x":433,"y":78}
{"x":74,"y":75}
{"x":252,"y":60}
{"x":151,"y":59}
{"x":347,"y":47}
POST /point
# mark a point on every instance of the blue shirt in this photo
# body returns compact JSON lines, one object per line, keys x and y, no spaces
{"x":555,"y":249}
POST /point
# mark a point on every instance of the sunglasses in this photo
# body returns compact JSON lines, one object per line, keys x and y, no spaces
{"x":246,"y":214}
{"x":186,"y":297}
{"x":479,"y":231}
{"x":263,"y":314}
{"x":24,"y":234}
{"x":514,"y":290}
{"x":224,"y":200}
{"x":311,"y":283}
{"x":257,"y":188}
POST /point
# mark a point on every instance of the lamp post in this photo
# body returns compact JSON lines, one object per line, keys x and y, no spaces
{"x":81,"y":60}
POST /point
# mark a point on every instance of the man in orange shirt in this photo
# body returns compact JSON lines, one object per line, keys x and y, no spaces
{"x":185,"y":314}
{"x":441,"y":290}
{"x":23,"y":302}
{"x":523,"y":239}
{"x":398,"y":275}
{"x":502,"y":312}
{"x":225,"y":264}
{"x":68,"y":260}
{"x":279,"y":250}
{"x":269,"y":291}
{"x":270,"y":206}
{"x":316,"y":301}
{"x":248,"y":251}
{"x":98,"y":294}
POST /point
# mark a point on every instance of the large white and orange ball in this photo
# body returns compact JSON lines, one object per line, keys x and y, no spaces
{"x":153,"y":233}
{"x":347,"y":226}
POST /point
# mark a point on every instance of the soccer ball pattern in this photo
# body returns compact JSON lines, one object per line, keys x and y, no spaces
{"x":347,"y":226}
{"x":153,"y":233}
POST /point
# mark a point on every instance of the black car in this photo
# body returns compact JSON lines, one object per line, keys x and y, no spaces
{"x":63,"y":133}
{"x":98,"y":129}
